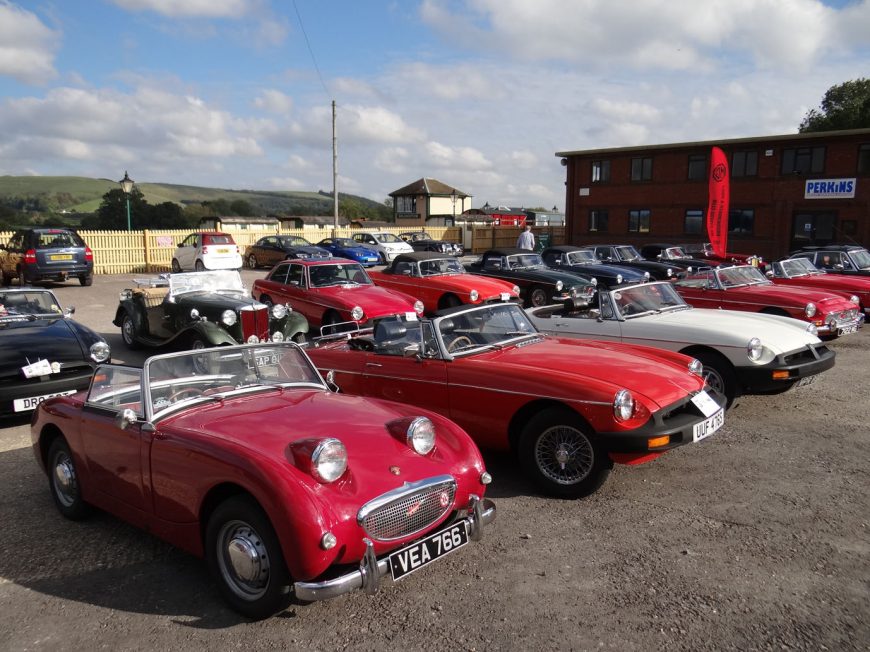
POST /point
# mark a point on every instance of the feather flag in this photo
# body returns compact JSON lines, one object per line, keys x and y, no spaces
{"x":717,"y":206}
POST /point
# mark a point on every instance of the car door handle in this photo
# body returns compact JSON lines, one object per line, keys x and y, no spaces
{"x":374,"y":364}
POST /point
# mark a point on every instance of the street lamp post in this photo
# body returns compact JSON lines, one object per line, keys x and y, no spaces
{"x":127,"y":187}
{"x":453,"y":198}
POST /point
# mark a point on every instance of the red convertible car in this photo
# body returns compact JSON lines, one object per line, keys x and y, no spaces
{"x":332,"y":291}
{"x":745,"y":288}
{"x":801,"y":272}
{"x":242,"y":455}
{"x":441,"y":281}
{"x":569,"y":408}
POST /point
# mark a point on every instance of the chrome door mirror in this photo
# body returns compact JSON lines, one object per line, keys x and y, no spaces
{"x":125,"y":418}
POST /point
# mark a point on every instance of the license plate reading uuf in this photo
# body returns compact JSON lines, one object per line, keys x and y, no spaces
{"x":708,"y":426}
{"x":417,"y":555}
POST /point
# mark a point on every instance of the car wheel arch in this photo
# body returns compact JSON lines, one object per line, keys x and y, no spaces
{"x":728,"y":372}
{"x":775,"y":311}
{"x":47,"y":436}
{"x":525,"y":414}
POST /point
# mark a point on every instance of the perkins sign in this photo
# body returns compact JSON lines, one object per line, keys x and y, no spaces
{"x":829,"y":189}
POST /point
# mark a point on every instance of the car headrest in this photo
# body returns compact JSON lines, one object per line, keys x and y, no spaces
{"x":447,"y":326}
{"x":389,"y":330}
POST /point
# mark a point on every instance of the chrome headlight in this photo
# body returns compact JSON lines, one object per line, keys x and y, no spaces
{"x":754,"y":349}
{"x":329,"y":460}
{"x":279,"y":311}
{"x":670,"y":272}
{"x":253,"y":339}
{"x":515,"y":289}
{"x":421,"y":435}
{"x":810,"y":309}
{"x":559,"y":286}
{"x":854,"y":299}
{"x":474,"y":295}
{"x":357,"y":313}
{"x":594,"y":281}
{"x":228,"y":317}
{"x":696,"y":367}
{"x":419,"y":307}
{"x":100,"y":351}
{"x":126,"y":294}
{"x":646,"y":275}
{"x":194,"y":313}
{"x":623,"y":405}
{"x":689,"y":269}
{"x":812,"y":329}
{"x":618,"y":279}
{"x":277,"y":336}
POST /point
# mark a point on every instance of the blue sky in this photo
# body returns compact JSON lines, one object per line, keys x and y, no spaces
{"x":479,"y":94}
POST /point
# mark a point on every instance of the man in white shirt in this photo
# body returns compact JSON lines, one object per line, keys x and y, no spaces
{"x":526,"y":239}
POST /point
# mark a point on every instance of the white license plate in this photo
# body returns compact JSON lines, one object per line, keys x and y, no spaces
{"x":708,"y":426}
{"x":223,"y":250}
{"x":848,"y":330}
{"x":425,"y":551}
{"x":807,"y":380}
{"x":25,"y":404}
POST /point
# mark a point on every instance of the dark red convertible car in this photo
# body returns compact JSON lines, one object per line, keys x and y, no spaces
{"x":241,"y":454}
{"x":569,"y":408}
{"x":802,"y":273}
{"x":744,"y":287}
{"x":332,"y":291}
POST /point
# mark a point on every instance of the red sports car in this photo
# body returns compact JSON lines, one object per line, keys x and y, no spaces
{"x":569,"y":408}
{"x":801,"y":272}
{"x":745,"y":288}
{"x":705,"y":250}
{"x":242,"y":455}
{"x":331,"y":291}
{"x":441,"y":281}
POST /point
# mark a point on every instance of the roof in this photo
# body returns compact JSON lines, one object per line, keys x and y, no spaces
{"x":507,"y":251}
{"x":241,"y":219}
{"x":503,"y":210}
{"x":566,"y":248}
{"x":316,"y":220}
{"x":818,"y":135}
{"x":430,"y":187}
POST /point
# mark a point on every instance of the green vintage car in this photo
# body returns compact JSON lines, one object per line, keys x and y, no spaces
{"x":202,"y":309}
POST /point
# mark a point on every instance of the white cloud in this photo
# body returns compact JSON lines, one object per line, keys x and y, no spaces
{"x":273,"y":101}
{"x":453,"y":82}
{"x":348,"y":86}
{"x":27,"y":45}
{"x":523,"y":160}
{"x":191,"y":8}
{"x":395,"y":160}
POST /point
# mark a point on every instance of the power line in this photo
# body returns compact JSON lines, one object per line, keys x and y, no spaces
{"x":310,"y":50}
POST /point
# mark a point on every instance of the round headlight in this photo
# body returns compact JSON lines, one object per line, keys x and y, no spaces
{"x":515,"y":289}
{"x":810,"y":309}
{"x":812,"y":329}
{"x":253,"y":339}
{"x":421,"y":435}
{"x":228,"y":317}
{"x":854,"y":299}
{"x":100,"y":351}
{"x":559,"y":286}
{"x":194,"y":313}
{"x":689,"y":269}
{"x":329,"y":460}
{"x":619,"y":279}
{"x":696,"y":367}
{"x":646,"y":275}
{"x":279,"y":311}
{"x":594,"y":281}
{"x":357,"y":313}
{"x":277,"y":336}
{"x":623,"y":405}
{"x":474,"y":295}
{"x":670,"y":272}
{"x":419,"y":307}
{"x":754,"y":349}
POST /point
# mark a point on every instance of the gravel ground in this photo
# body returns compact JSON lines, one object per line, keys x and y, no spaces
{"x":756,"y":538}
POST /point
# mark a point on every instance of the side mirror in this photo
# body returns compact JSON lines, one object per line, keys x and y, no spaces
{"x":125,"y":418}
{"x":69,"y":312}
{"x":839,"y":266}
{"x":330,"y":382}
{"x":769,"y":274}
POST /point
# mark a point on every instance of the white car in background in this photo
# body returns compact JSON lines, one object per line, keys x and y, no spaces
{"x":206,"y":250}
{"x":387,"y":245}
{"x":742,"y":353}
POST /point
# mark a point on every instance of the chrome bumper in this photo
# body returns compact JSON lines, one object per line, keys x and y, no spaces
{"x":372,"y":569}
{"x":828,"y":329}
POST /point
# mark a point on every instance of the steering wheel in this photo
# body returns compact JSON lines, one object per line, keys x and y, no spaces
{"x":460,"y":342}
{"x":193,"y":391}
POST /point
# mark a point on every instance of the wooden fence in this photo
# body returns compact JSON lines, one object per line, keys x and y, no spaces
{"x":126,"y":252}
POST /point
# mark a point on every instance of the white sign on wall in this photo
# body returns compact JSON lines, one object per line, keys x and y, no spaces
{"x":830,"y":188}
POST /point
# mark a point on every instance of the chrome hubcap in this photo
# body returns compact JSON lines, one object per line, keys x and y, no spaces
{"x":564,"y":455}
{"x":127,"y":330}
{"x":65,"y":483}
{"x":243,"y":560}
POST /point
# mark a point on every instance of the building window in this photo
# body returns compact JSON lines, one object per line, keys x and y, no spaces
{"x":600,"y":171}
{"x":694,"y":223}
{"x":638,"y":221}
{"x":641,"y":169}
{"x":864,"y":159}
{"x":406,"y":204}
{"x":741,"y":221}
{"x":803,"y":160}
{"x":744,"y":164}
{"x":597,"y":221}
{"x":697,"y":167}
{"x":849,"y":227}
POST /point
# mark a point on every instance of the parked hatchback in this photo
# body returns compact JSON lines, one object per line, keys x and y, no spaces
{"x":206,"y":250}
{"x":33,"y":255}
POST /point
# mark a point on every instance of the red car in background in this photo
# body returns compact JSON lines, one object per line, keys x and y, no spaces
{"x":704,"y":250}
{"x":440,"y":281}
{"x":331,"y":291}
{"x":801,"y":272}
{"x":744,"y":287}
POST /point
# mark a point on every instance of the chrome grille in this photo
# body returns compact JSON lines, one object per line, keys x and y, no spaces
{"x":408,"y":509}
{"x":844,"y":316}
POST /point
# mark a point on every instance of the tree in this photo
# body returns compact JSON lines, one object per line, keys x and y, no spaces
{"x":112,"y":213}
{"x":844,"y":106}
{"x":241,"y":208}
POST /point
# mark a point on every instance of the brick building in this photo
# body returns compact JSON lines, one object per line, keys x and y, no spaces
{"x":786,"y":191}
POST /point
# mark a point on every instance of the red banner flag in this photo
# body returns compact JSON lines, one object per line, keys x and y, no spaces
{"x":717,"y":207}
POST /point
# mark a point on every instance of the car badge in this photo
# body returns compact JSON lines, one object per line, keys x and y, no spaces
{"x":395,"y":470}
{"x":413,"y":509}
{"x":444,"y":499}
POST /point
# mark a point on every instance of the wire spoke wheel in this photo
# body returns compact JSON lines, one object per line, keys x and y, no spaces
{"x":564,"y":455}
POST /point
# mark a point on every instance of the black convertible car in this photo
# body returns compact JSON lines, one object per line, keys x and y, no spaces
{"x":578,"y":260}
{"x":43,"y":352}
{"x":202,"y":309}
{"x":624,"y":255}
{"x":675,"y":256}
{"x":853,"y":260}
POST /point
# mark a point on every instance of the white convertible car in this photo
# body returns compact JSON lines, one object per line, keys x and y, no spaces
{"x":742,"y":353}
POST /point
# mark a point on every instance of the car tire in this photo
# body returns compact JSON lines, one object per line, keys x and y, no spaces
{"x":259,"y":585}
{"x":176,"y":266}
{"x":537,"y":296}
{"x":719,"y":375}
{"x":128,"y":332}
{"x":448,"y":301}
{"x":382,"y":257}
{"x":63,"y":481}
{"x":265,"y":299}
{"x":252,"y":262}
{"x":87,"y":280}
{"x":199,"y":266}
{"x":560,"y":454}
{"x":7,"y":280}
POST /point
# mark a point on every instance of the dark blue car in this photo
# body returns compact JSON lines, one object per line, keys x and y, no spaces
{"x":347,"y":248}
{"x":569,"y":258}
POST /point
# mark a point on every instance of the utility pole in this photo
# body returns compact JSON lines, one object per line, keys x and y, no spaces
{"x":334,"y":176}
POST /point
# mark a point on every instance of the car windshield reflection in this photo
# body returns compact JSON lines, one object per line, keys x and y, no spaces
{"x":492,"y":326}
{"x":28,"y":303}
{"x":525,"y":261}
{"x":581,"y":257}
{"x":226,"y":280}
{"x":794,"y":267}
{"x":440,"y":267}
{"x":627,"y":253}
{"x":322,"y":276}
{"x":649,"y":298}
{"x":730,"y":277}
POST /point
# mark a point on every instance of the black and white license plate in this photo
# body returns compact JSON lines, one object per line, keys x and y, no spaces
{"x":708,"y":426}
{"x":848,"y":330}
{"x":806,"y":380}
{"x":425,"y":551}
{"x":30,"y":403}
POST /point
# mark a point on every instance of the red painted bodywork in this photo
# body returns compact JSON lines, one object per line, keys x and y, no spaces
{"x":840,"y":283}
{"x":431,"y":289}
{"x":487,"y":393}
{"x":315,"y":302}
{"x":161,"y":481}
